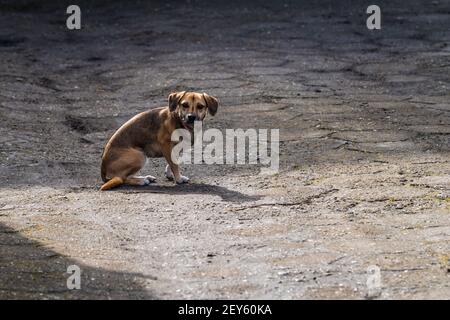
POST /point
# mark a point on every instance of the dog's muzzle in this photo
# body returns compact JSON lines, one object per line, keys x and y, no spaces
{"x":190,"y":118}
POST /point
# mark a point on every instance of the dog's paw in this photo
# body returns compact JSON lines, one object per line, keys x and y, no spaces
{"x":148,"y":180}
{"x":182,"y":180}
{"x":168,"y":173}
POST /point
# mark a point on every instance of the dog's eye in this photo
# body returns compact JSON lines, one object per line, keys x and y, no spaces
{"x":185,"y":105}
{"x":200,"y":106}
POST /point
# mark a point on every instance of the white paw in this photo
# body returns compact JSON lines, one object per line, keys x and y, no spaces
{"x":168,"y":173}
{"x":148,"y":180}
{"x":182,"y":180}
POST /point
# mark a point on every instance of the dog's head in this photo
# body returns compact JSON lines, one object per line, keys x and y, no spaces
{"x":192,"y":106}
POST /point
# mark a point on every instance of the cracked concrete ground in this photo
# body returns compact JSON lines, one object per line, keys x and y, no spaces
{"x":364,"y":119}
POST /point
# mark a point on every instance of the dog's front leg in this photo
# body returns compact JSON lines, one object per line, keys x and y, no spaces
{"x":172,"y":171}
{"x":168,"y":173}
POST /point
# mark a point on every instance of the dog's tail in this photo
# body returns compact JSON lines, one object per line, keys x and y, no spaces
{"x":111,"y":183}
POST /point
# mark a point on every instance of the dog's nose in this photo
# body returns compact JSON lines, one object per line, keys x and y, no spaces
{"x":191,"y":117}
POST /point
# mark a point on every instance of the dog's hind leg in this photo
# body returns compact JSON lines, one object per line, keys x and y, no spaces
{"x":140,"y":181}
{"x":122,"y":169}
{"x":112,"y":183}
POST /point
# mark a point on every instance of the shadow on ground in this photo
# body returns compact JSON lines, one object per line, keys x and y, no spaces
{"x":191,"y":189}
{"x":28,"y":270}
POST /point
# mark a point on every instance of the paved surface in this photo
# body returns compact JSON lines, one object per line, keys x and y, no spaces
{"x":364,"y":120}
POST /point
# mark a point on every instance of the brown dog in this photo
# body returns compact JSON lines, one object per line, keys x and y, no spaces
{"x":148,"y":134}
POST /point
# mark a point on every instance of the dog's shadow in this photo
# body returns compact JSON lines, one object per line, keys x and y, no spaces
{"x":194,"y":188}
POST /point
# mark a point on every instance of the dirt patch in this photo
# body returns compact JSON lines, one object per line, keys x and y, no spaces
{"x":364,"y":151}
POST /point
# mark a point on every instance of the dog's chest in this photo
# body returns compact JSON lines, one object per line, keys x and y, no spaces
{"x":153,"y":150}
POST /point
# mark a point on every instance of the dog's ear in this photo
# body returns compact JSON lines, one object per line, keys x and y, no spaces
{"x":211,"y":103}
{"x":174,"y":98}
